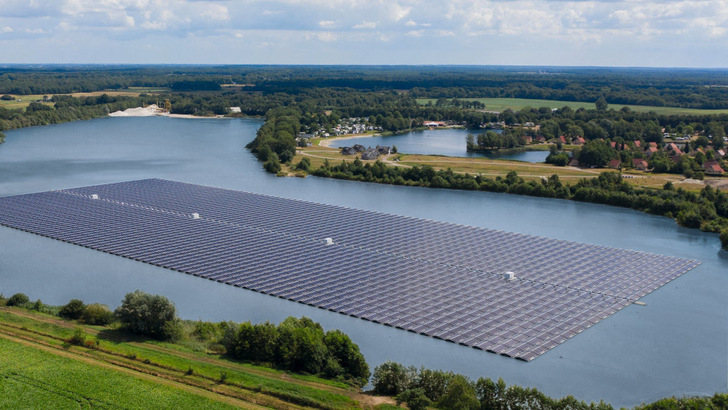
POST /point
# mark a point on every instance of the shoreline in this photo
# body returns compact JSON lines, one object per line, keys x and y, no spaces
{"x":154,"y":111}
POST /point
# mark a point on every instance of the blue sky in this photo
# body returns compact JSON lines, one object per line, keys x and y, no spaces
{"x":662,"y":33}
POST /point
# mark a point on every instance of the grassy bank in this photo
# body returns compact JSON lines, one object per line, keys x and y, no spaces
{"x":112,"y":369}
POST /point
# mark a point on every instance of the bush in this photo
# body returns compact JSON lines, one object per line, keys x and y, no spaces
{"x":72,"y":310}
{"x":147,"y":314}
{"x":272,"y":165}
{"x":391,"y":378}
{"x":724,"y":238}
{"x":97,"y":314}
{"x":304,"y":165}
{"x":415,"y":399}
{"x":18,"y":299}
{"x":78,"y":338}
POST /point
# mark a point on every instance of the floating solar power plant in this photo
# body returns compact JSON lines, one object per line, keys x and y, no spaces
{"x":439,"y":279}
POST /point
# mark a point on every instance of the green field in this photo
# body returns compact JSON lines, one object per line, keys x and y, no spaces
{"x":38,"y":367}
{"x":31,"y":378}
{"x":25,"y":100}
{"x":515,"y":104}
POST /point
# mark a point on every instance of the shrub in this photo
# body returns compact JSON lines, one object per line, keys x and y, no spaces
{"x":724,"y":238}
{"x":272,"y":165}
{"x":18,"y":299}
{"x":72,"y":310}
{"x":415,"y":399}
{"x":78,"y":338}
{"x":148,"y":314}
{"x":97,"y":314}
{"x":391,"y":378}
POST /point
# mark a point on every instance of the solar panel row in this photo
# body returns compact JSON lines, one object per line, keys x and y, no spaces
{"x":438,"y":279}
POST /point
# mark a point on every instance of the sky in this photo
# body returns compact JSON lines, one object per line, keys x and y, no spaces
{"x":661,"y":33}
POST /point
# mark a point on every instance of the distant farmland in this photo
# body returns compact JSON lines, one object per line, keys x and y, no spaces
{"x":516,"y":104}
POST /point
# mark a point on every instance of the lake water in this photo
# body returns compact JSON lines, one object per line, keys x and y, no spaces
{"x":676,"y":345}
{"x":448,"y":141}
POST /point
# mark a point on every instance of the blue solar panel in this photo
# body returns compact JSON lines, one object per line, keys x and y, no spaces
{"x":439,"y":279}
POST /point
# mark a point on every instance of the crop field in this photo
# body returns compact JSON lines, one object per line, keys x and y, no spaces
{"x":130,"y":92}
{"x":25,"y":100}
{"x":515,"y":104}
{"x":38,"y":366}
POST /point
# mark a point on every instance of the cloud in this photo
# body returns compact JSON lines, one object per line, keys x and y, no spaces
{"x":365,"y":24}
{"x":327,"y":24}
{"x":326,"y":36}
{"x":695,"y":27}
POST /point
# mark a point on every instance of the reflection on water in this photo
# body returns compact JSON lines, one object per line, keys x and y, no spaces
{"x":675,"y":345}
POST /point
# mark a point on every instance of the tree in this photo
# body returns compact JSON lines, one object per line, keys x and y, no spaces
{"x":459,"y":394}
{"x":147,"y":314}
{"x":272,"y":165}
{"x":97,"y":314}
{"x":391,"y":378}
{"x":347,"y":356}
{"x":415,"y":399}
{"x":601,"y":104}
{"x":18,"y":299}
{"x":596,"y":153}
{"x":304,"y":165}
{"x":724,"y":238}
{"x":72,"y":310}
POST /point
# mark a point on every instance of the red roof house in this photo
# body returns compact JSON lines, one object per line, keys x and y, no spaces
{"x":640,"y":164}
{"x":712,"y":168}
{"x":614,"y":164}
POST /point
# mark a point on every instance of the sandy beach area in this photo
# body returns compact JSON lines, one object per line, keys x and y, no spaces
{"x":152,"y":111}
{"x":327,"y":141}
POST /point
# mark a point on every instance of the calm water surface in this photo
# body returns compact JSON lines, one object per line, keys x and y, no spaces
{"x":676,"y":345}
{"x":448,"y":141}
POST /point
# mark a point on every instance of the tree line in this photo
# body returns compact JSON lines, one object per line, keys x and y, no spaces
{"x":707,"y":210}
{"x":424,"y":388}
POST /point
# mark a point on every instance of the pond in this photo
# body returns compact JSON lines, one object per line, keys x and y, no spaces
{"x":675,"y":345}
{"x":448,"y":141}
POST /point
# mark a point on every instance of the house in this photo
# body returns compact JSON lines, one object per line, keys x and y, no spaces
{"x":574,"y":162}
{"x":540,"y":138}
{"x":614,"y":164}
{"x":578,"y":141}
{"x":671,"y":147}
{"x":712,"y":168}
{"x":720,"y":153}
{"x":651,"y":150}
{"x":528,"y":139}
{"x":653,"y":144}
{"x":638,"y":144}
{"x":640,"y":164}
{"x":347,"y":151}
{"x":359,"y":148}
{"x":383,"y":150}
{"x":370,"y":154}
{"x":562,"y":139}
{"x":434,"y":124}
{"x":613,"y":144}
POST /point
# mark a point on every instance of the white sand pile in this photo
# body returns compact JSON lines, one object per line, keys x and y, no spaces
{"x":136,"y":112}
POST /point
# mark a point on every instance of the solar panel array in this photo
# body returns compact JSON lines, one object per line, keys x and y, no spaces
{"x":439,"y":279}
